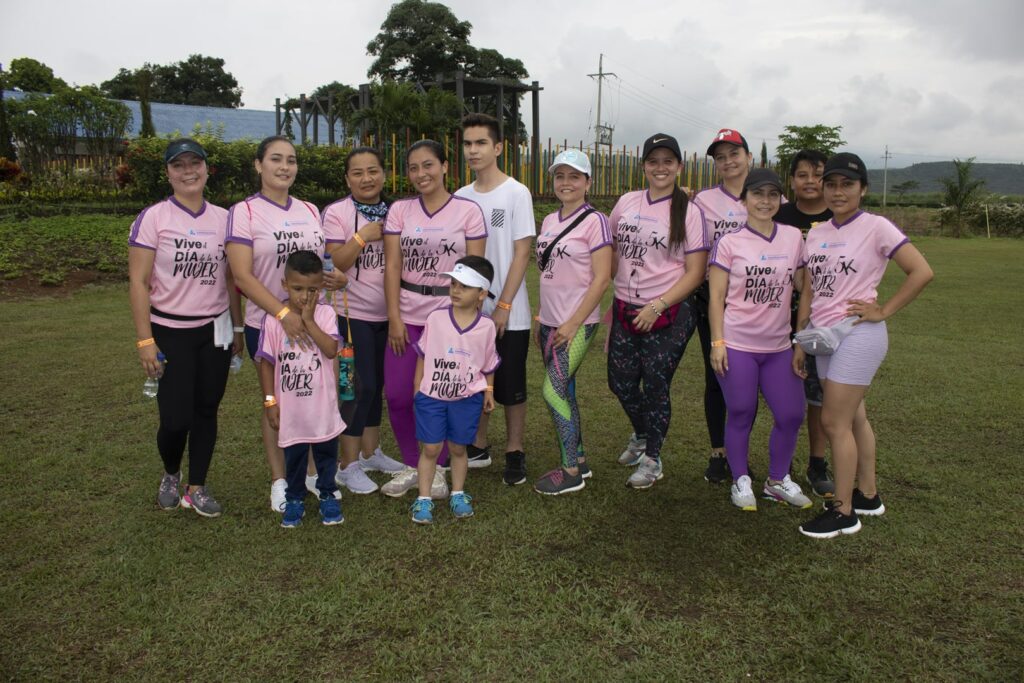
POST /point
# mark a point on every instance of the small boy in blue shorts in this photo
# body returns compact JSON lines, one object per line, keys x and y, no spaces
{"x":454,"y":381}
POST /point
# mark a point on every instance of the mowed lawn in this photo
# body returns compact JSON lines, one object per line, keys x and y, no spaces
{"x":673,"y":583}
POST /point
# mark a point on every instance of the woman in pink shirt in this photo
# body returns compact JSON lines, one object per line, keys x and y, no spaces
{"x":184,"y":305}
{"x":754,"y":270}
{"x":423,"y":238}
{"x":661,"y":258}
{"x":574,"y":256}
{"x":845,"y":260}
{"x":263,"y":231}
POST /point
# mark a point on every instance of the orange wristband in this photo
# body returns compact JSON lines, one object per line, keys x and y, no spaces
{"x":282,"y":313}
{"x":718,"y":343}
{"x":504,"y":306}
{"x":360,"y":240}
{"x":489,"y":389}
{"x":270,"y":402}
{"x":142,"y":343}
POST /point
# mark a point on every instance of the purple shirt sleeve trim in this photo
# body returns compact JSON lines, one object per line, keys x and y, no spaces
{"x":134,"y":243}
{"x":334,"y":241}
{"x":239,"y":240}
{"x":263,"y":355}
{"x":491,"y":371}
{"x":601,"y":246}
{"x":418,"y":350}
{"x":478,"y":237}
{"x":719,"y":265}
{"x":897,"y":247}
{"x":694,"y":251}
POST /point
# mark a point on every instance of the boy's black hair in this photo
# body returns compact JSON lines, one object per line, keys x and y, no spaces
{"x":485,"y":121}
{"x":304,"y":263}
{"x":479,"y":264}
{"x":811,"y":156}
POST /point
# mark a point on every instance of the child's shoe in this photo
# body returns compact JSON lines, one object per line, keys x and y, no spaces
{"x":423,"y":511}
{"x":330,"y":511}
{"x":293,"y":513}
{"x":460,"y":505}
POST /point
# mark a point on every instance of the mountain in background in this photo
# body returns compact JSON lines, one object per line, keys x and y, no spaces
{"x":999,"y":178}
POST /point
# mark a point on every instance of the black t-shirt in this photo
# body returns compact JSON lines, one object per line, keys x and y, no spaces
{"x":788,"y":214}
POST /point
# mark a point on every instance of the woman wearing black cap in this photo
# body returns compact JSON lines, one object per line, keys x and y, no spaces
{"x":846,"y":258}
{"x":184,"y":305}
{"x":660,"y":259}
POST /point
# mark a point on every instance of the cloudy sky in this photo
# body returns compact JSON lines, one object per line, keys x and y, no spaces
{"x":932,"y":80}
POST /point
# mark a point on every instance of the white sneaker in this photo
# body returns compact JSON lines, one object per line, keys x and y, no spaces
{"x":354,"y":479}
{"x":401,"y":482}
{"x":787,"y":491}
{"x":277,"y":491}
{"x":743,"y":494}
{"x":378,"y":462}
{"x":635,"y":450}
{"x":439,"y":487}
{"x":647,"y":472}
{"x":311,"y":487}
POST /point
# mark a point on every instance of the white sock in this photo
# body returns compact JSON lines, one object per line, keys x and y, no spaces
{"x":422,"y":497}
{"x":455,"y":493}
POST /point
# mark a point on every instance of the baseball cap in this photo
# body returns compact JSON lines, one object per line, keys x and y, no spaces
{"x":572,"y":158}
{"x":848,"y":165}
{"x":759,"y":177}
{"x":661,"y":140}
{"x":468,"y":276}
{"x":175,"y":148}
{"x":731,"y":136}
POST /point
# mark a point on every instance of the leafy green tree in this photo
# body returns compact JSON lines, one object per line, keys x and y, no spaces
{"x":417,"y":41}
{"x":7,"y":150}
{"x":399,"y":108}
{"x":198,"y":80}
{"x":825,"y":139}
{"x":764,"y":154}
{"x":487,"y":63}
{"x":144,"y":83}
{"x":962,"y":193}
{"x":30,"y":75}
{"x":903,"y":188}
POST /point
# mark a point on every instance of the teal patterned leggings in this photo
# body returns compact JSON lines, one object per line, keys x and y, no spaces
{"x":559,"y":387}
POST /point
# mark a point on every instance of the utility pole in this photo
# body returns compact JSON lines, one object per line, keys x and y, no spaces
{"x":602,"y":133}
{"x":885,"y":174}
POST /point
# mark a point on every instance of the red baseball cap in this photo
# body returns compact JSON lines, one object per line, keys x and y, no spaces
{"x":731,"y":136}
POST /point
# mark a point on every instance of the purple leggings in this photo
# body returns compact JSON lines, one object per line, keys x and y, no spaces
{"x":772,"y":373}
{"x":399,"y":373}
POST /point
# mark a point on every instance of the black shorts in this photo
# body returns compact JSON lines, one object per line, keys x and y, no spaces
{"x":510,"y":377}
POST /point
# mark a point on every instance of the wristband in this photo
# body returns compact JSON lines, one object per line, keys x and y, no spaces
{"x":238,"y":330}
{"x":718,"y":343}
{"x":489,"y":389}
{"x":504,"y":306}
{"x":142,"y":343}
{"x":282,"y":313}
{"x":269,"y":401}
{"x":360,"y":240}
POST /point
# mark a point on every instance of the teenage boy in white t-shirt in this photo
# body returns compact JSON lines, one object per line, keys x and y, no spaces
{"x":508,"y":209}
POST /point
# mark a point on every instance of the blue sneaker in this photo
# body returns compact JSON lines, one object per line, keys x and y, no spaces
{"x":293,"y":513}
{"x":423,"y":511}
{"x":459,"y":504}
{"x":330,"y":511}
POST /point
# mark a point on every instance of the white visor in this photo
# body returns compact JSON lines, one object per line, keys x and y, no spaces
{"x":468,"y":276}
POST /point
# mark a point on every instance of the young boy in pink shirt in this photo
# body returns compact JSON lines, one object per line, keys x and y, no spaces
{"x":454,"y":382}
{"x":299,"y":383}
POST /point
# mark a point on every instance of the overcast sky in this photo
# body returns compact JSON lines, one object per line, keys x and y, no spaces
{"x":932,"y":80}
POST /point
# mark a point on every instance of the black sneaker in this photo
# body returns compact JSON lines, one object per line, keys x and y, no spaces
{"x":819,"y":479}
{"x":478,"y":457}
{"x":862,"y":505}
{"x":515,"y":468}
{"x":718,"y":470}
{"x":831,"y":523}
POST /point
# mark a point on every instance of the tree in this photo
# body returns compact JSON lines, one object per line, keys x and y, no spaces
{"x":400,"y":108}
{"x":419,"y":40}
{"x":144,"y":83}
{"x":7,"y":150}
{"x":903,"y":188}
{"x":198,"y":80}
{"x":487,"y":63}
{"x":342,"y":99}
{"x":30,"y":75}
{"x":962,"y":193}
{"x":823,"y":138}
{"x":764,"y":154}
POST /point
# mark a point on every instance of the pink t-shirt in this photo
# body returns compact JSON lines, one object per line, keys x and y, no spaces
{"x":647,"y":268}
{"x":847,"y":262}
{"x":722,"y":211}
{"x":189,"y":263}
{"x":305,"y":383}
{"x":761,"y":271}
{"x":564,"y":282}
{"x":273,"y":232}
{"x":455,"y":360}
{"x":365,"y":290}
{"x":431,"y":244}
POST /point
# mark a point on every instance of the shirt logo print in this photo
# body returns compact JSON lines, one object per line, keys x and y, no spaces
{"x":497,"y":218}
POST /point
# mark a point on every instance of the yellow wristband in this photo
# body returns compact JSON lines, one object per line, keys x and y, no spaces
{"x":142,"y":343}
{"x":270,"y":402}
{"x":504,"y":306}
{"x":360,"y":240}
{"x":489,"y":389}
{"x":718,"y":343}
{"x":282,"y":313}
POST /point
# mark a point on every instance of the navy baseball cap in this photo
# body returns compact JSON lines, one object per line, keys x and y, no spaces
{"x":175,"y":148}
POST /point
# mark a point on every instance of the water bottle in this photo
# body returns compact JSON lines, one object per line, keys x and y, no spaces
{"x":346,"y":373}
{"x":152,"y":384}
{"x":236,"y":364}
{"x":328,"y":264}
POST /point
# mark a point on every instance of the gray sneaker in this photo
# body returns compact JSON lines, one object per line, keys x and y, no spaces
{"x":202,"y":502}
{"x":168,"y":497}
{"x":647,"y":472}
{"x":634,"y":451}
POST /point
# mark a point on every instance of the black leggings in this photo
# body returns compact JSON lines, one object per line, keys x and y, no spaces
{"x":714,"y":401}
{"x":369,"y":339}
{"x":190,"y":392}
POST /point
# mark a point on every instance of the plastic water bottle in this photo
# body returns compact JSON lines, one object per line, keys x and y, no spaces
{"x":346,"y":374}
{"x":328,"y":264}
{"x":236,"y":364}
{"x":152,"y":384}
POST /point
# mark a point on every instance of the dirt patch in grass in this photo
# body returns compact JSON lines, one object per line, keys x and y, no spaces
{"x":30,"y":286}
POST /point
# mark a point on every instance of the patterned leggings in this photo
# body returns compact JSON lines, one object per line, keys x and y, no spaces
{"x":559,"y":387}
{"x":651,"y":360}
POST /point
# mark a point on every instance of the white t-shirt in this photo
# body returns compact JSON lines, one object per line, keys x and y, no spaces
{"x":508,"y":210}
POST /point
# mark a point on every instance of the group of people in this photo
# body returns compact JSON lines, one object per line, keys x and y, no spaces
{"x":424,"y":299}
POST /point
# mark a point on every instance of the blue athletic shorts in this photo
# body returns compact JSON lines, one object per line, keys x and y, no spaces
{"x":252,"y":341}
{"x":455,"y":421}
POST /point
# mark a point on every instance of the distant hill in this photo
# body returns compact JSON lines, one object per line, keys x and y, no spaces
{"x":999,"y":178}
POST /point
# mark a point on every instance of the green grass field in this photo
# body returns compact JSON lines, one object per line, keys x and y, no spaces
{"x":669,"y":584}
